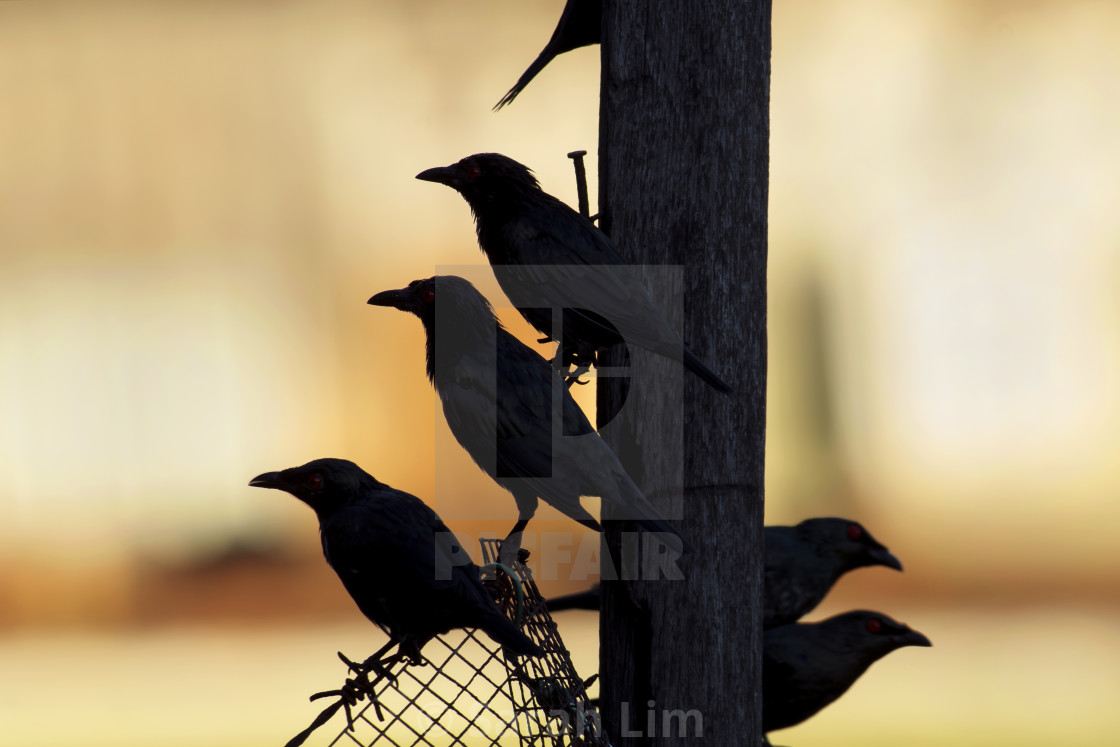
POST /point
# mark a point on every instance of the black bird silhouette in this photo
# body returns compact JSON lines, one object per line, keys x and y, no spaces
{"x":803,"y":562}
{"x":547,"y":256}
{"x":580,"y":24}
{"x":397,"y":559}
{"x":806,"y":666}
{"x":500,"y":398}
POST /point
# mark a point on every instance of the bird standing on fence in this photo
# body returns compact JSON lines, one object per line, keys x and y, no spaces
{"x":580,"y":25}
{"x":806,"y":666}
{"x":397,"y":559}
{"x":803,"y":562}
{"x":512,"y":413}
{"x":547,"y":256}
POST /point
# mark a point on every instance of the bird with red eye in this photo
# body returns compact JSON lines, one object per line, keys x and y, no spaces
{"x":806,"y":666}
{"x":400,"y":564}
{"x":804,"y":561}
{"x":418,"y":297}
{"x":499,"y":397}
{"x":548,"y":257}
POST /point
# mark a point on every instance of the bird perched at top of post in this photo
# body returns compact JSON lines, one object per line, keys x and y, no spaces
{"x":806,"y":666}
{"x":547,"y":256}
{"x":804,"y":561}
{"x":399,"y":562}
{"x":580,"y":24}
{"x":508,"y":407}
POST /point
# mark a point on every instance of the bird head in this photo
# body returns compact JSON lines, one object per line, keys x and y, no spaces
{"x":418,"y":297}
{"x":484,"y":178}
{"x":323,"y":484}
{"x":466,"y":319}
{"x":463,"y":306}
{"x":849,"y":540}
{"x":873,"y":632}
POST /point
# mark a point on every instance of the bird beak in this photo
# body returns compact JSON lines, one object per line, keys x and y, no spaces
{"x":883,"y":556}
{"x":440,"y":175}
{"x":914,"y":638}
{"x":398,"y":299}
{"x":267,"y":480}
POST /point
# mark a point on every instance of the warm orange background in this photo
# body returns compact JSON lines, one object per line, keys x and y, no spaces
{"x":197,"y":198}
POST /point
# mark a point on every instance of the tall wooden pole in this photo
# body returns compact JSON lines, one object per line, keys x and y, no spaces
{"x":683,"y":169}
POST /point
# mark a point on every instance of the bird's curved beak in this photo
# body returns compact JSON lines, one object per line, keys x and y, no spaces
{"x":914,"y":638}
{"x":440,"y":175}
{"x":398,"y":299}
{"x":267,"y":480}
{"x":883,"y":556}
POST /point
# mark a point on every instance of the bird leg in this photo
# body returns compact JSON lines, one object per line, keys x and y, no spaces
{"x":510,"y":551}
{"x":573,"y":361}
{"x":372,"y":661}
{"x":572,"y":377}
{"x":410,"y":649}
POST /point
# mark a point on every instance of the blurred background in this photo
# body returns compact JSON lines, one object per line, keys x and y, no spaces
{"x":197,"y":198}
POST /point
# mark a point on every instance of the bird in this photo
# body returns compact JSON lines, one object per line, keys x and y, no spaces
{"x":547,"y":256}
{"x":804,"y":561}
{"x":801,"y":565}
{"x":398,"y":561}
{"x":509,"y":409}
{"x":806,"y":666}
{"x":580,"y":25}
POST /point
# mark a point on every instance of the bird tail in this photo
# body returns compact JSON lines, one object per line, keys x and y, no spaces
{"x":694,"y":364}
{"x":506,"y":634}
{"x":531,"y":72}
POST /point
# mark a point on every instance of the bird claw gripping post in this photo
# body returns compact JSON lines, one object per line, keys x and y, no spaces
{"x":467,"y":690}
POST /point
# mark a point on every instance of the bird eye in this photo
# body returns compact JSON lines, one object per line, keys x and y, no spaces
{"x":315,"y":481}
{"x":874,"y":625}
{"x":427,"y":295}
{"x":473,"y":171}
{"x":855,"y":531}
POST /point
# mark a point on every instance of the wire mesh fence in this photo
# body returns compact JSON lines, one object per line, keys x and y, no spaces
{"x":468,"y":692}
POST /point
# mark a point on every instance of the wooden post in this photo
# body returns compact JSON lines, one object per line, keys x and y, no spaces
{"x":683,"y":168}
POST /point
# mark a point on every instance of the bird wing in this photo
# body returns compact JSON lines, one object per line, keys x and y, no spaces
{"x":564,"y":261}
{"x":402,"y":566}
{"x":799,"y":676}
{"x":500,"y":411}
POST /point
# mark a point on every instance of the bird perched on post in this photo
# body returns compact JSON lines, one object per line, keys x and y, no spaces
{"x":806,"y":666}
{"x":580,"y":24}
{"x":803,"y":562}
{"x":510,"y":410}
{"x":547,"y":256}
{"x":399,"y":562}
